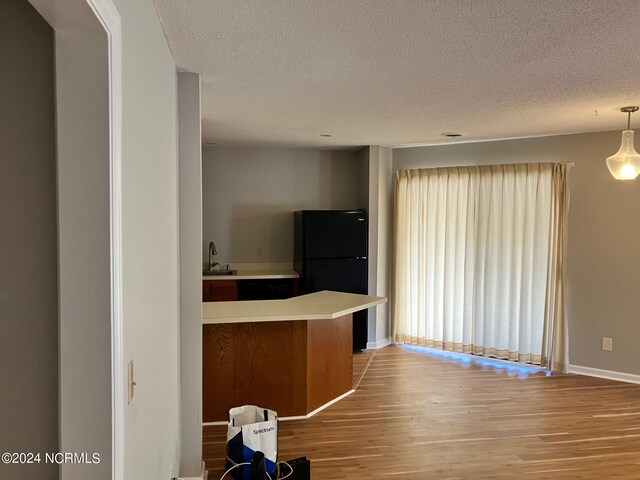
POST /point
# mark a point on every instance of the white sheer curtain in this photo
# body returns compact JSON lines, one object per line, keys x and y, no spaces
{"x":472,"y":263}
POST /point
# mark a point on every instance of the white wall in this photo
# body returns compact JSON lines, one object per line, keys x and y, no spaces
{"x":604,"y":227}
{"x":190,"y":153}
{"x":249,"y":195}
{"x":28,"y":242}
{"x":150,"y":243}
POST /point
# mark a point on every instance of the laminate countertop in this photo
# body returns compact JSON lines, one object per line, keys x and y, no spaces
{"x":313,"y":306}
{"x":254,"y":274}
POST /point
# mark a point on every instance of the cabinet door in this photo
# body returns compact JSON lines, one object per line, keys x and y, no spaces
{"x":207,"y":290}
{"x":225,"y":290}
{"x":219,"y":290}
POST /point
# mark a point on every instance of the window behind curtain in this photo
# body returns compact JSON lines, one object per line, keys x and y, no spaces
{"x":472,"y":258}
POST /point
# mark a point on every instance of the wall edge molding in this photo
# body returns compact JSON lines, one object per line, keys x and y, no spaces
{"x":379,"y":344}
{"x":608,"y":374}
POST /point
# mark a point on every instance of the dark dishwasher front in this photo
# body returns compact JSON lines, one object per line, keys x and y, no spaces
{"x":265,"y":289}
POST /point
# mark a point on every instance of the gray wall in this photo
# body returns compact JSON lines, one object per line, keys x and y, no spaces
{"x":28,"y":242}
{"x":363,"y":177}
{"x":603,"y":266}
{"x":249,"y":195}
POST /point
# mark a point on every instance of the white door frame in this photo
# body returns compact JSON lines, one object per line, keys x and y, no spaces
{"x":107,"y":14}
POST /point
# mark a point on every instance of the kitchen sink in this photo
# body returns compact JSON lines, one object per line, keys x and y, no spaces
{"x":217,"y":273}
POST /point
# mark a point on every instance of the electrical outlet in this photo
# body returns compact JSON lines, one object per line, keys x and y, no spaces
{"x":607,"y":344}
{"x":259,"y":252}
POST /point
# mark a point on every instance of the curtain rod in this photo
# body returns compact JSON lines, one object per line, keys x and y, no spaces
{"x":568,"y":164}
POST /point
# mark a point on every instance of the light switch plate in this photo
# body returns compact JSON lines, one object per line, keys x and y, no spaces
{"x":131,"y":381}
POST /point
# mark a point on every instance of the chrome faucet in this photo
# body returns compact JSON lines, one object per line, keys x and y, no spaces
{"x":212,"y":251}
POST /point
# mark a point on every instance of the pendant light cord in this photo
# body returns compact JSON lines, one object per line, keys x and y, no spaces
{"x":629,"y":120}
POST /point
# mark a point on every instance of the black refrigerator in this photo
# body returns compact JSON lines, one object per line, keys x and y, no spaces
{"x":330,"y":253}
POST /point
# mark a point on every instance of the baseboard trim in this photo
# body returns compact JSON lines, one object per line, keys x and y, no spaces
{"x":297,"y":417}
{"x":608,"y":374}
{"x":328,"y":404}
{"x":214,"y":424}
{"x":379,"y":344}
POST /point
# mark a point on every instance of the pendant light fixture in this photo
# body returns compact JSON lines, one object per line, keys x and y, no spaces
{"x":625,"y":163}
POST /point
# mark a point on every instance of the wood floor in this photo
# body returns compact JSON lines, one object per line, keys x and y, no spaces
{"x":419,"y":416}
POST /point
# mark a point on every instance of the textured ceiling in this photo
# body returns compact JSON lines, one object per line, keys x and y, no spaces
{"x":400,"y":72}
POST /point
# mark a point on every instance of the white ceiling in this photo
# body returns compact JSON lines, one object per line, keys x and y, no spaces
{"x":399,"y":72}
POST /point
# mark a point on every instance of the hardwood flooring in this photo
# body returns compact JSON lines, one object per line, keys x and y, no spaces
{"x":419,"y":416}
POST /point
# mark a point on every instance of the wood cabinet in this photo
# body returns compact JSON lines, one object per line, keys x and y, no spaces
{"x":292,"y":367}
{"x":219,"y":290}
{"x":230,"y":290}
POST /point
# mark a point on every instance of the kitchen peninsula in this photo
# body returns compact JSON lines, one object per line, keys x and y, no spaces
{"x":293,"y":356}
